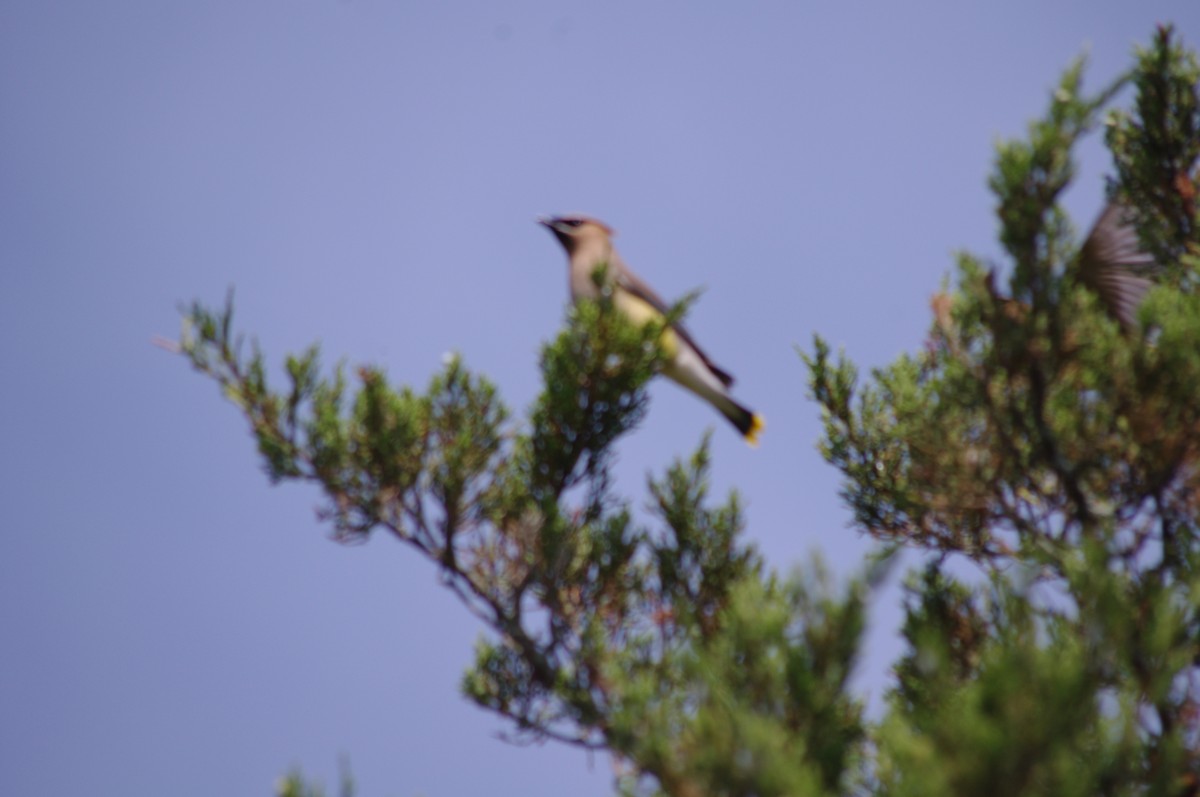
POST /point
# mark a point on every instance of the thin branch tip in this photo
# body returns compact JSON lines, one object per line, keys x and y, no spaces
{"x":166,"y":344}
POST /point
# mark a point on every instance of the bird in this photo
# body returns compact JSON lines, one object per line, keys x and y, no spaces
{"x":1113,"y":264}
{"x":589,"y":245}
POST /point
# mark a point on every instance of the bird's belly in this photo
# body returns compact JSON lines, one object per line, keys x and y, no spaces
{"x":640,"y":313}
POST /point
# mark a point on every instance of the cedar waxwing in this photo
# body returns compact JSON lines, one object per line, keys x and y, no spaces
{"x":589,"y":245}
{"x":1113,"y":264}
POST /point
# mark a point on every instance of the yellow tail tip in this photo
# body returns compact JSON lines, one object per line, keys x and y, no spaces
{"x":757,"y":424}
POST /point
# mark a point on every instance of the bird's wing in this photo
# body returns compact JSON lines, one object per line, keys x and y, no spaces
{"x":631,"y":282}
{"x":1113,"y":263}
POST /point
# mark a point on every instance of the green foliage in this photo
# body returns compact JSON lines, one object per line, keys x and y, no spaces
{"x":1057,"y":451}
{"x":996,"y":697}
{"x":295,"y":785}
{"x":1034,"y":436}
{"x":664,"y":643}
{"x":1155,"y":149}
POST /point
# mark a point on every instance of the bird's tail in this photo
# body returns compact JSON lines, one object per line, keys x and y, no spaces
{"x":693,"y":372}
{"x":748,"y":422}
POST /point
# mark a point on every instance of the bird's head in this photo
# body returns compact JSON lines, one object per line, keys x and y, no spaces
{"x":574,"y":232}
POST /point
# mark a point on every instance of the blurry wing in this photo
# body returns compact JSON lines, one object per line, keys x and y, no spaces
{"x":636,"y":286}
{"x":1113,"y":263}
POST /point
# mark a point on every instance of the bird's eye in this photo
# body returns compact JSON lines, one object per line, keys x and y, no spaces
{"x":572,"y":222}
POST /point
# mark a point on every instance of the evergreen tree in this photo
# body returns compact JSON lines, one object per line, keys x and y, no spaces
{"x":1035,"y":437}
{"x":1041,"y":440}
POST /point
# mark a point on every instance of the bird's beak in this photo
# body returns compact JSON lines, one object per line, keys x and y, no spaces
{"x":546,"y":221}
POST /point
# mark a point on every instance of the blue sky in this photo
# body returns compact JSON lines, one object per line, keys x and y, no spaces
{"x":366,"y":174}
